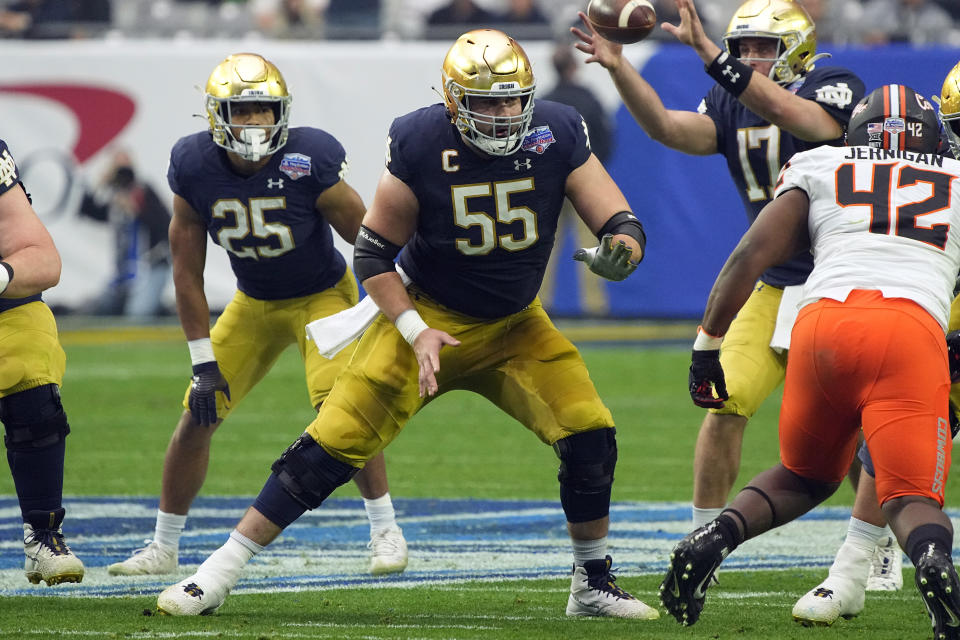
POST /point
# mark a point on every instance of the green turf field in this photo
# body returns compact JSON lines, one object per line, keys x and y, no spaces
{"x":123,"y":399}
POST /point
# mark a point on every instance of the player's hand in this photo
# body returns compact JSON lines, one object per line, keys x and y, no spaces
{"x":706,"y":374}
{"x":690,"y":30}
{"x":606,"y":53}
{"x":953,"y":355}
{"x":609,"y":260}
{"x":204,"y":384}
{"x":427,"y":349}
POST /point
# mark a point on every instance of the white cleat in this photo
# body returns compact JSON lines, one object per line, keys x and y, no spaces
{"x":388,"y":551}
{"x":47,"y":556}
{"x":152,"y":560}
{"x":833,"y":598}
{"x":593,"y":592}
{"x":886,"y":569}
{"x":191,"y":597}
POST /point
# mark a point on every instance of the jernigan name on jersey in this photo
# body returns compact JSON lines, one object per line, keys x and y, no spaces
{"x":896,"y":212}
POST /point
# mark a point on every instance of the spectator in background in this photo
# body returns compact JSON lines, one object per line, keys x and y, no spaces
{"x":569,"y":91}
{"x":524,"y":12}
{"x":836,"y":20}
{"x":140,"y":220}
{"x":38,"y":19}
{"x":918,"y":22}
{"x":461,"y":12}
{"x":289,"y":18}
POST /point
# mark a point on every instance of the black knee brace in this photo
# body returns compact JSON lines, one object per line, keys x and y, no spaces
{"x":587,"y":461}
{"x":310,"y":474}
{"x":33,"y":419}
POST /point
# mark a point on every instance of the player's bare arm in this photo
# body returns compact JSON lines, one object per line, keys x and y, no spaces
{"x":188,"y":247}
{"x":26,"y":246}
{"x":801,"y":117}
{"x":778,"y":234}
{"x":686,"y":131}
{"x":343,"y":208}
{"x":597,"y":198}
{"x":393,"y":217}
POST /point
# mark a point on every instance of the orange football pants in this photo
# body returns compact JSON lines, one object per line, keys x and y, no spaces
{"x":875,"y":362}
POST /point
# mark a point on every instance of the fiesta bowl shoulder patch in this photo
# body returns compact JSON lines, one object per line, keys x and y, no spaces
{"x":538,"y":140}
{"x":295,"y":165}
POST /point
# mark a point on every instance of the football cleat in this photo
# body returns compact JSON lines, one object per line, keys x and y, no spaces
{"x":594,"y":592}
{"x":936,"y":578}
{"x":693,"y":563}
{"x":886,"y":569}
{"x":48,"y":558}
{"x":833,"y":598}
{"x":388,"y":551}
{"x":191,"y":597}
{"x":152,"y":560}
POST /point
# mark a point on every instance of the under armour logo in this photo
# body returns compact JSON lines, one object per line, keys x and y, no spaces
{"x":729,"y":72}
{"x":278,"y":183}
{"x":517,"y":165}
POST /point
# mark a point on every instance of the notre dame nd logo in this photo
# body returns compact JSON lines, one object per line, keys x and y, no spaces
{"x":8,"y":169}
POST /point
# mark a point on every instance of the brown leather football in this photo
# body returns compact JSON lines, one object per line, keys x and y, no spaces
{"x":623,"y":21}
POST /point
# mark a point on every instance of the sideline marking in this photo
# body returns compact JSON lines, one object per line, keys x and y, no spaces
{"x":451,"y":541}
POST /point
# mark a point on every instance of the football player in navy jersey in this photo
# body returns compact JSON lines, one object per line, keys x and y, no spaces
{"x":269,"y":196}
{"x":770,"y":101}
{"x":31,"y":372}
{"x":472,"y":193}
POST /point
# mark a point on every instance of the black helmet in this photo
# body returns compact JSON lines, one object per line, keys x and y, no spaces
{"x":894,"y":117}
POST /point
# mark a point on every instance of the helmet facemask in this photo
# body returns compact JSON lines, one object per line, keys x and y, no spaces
{"x":247,"y":78}
{"x":498,"y":135}
{"x":251,"y":141}
{"x":488,"y":64}
{"x":783,"y":20}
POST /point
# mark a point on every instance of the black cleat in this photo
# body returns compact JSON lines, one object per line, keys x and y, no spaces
{"x":939,"y":587}
{"x":692,"y":565}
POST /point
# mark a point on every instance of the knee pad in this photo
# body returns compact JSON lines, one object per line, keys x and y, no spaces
{"x":587,"y":461}
{"x":33,"y":419}
{"x":310,"y":474}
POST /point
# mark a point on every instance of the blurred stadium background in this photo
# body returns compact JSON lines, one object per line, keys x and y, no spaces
{"x":129,"y":75}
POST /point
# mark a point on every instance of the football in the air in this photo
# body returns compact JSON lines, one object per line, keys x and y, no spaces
{"x":623,"y":21}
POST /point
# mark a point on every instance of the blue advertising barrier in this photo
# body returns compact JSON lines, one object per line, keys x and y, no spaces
{"x":690,"y":209}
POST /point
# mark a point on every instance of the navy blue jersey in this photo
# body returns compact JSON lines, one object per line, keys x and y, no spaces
{"x":486,"y":223}
{"x":10,"y":179}
{"x":279,"y":245}
{"x":755,"y":149}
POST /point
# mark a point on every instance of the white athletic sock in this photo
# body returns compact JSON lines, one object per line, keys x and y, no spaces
{"x":380,"y":512}
{"x":224,"y":565}
{"x":856,"y":553}
{"x":169,"y":528}
{"x":584,"y":550}
{"x":705,"y":515}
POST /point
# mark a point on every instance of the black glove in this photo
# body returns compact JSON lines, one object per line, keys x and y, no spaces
{"x":953,"y":355}
{"x":204,"y":384}
{"x":706,"y":374}
{"x":954,"y":419}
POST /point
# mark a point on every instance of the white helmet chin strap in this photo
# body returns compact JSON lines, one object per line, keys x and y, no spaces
{"x":252,"y":144}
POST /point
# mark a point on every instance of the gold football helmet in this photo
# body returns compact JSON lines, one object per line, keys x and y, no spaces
{"x":488,"y":64}
{"x":950,"y":109}
{"x":247,"y":77}
{"x":784,"y":20}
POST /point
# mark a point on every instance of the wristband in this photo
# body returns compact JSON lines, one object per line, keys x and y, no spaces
{"x":730,"y":73}
{"x":201,"y":350}
{"x":410,"y":325}
{"x":6,"y":275}
{"x":706,"y":342}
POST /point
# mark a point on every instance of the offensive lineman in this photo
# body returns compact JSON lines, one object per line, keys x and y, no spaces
{"x":472,"y":192}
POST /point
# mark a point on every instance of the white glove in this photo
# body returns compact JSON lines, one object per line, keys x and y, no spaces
{"x":608,"y":260}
